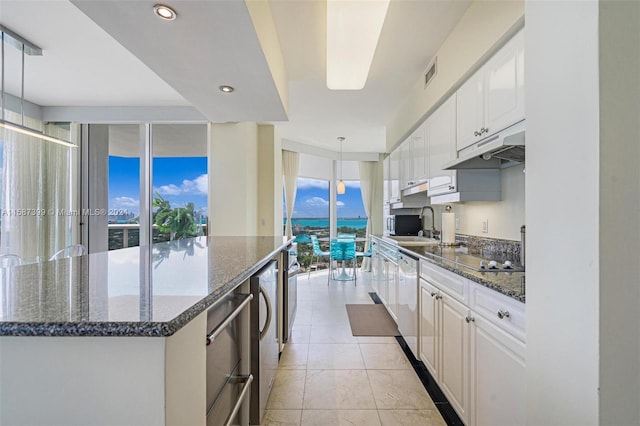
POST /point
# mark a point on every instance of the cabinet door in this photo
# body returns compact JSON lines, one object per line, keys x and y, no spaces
{"x":454,"y":362}
{"x":498,"y":373}
{"x":504,"y":74}
{"x":429,"y":324}
{"x":470,"y":110}
{"x":406,"y":164}
{"x":394,"y":175}
{"x":375,"y":269}
{"x":383,"y":281}
{"x":392,"y":290}
{"x":441,"y":137}
{"x":419,"y":153}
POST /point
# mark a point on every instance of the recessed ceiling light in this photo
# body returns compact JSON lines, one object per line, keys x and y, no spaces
{"x":165,"y":12}
{"x":226,"y":89}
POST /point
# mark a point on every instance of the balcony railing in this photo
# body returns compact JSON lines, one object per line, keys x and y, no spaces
{"x":123,"y":235}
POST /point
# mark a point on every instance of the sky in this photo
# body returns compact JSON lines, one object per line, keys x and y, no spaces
{"x":177,"y":179}
{"x":312,"y":200}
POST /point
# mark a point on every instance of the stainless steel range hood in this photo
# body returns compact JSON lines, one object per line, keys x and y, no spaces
{"x":502,"y":150}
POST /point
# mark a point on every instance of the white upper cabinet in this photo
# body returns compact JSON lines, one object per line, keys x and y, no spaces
{"x":493,"y":98}
{"x":470,"y":110}
{"x":406,"y":164}
{"x":420,"y":154}
{"x":394,"y":176}
{"x":441,"y":142}
{"x":386,"y":183}
{"x":504,"y":75}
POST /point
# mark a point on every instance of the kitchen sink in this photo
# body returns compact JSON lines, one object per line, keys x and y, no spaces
{"x":413,"y":241}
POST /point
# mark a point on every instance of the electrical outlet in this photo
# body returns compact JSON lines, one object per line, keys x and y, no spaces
{"x":457,"y":223}
{"x":485,"y":226}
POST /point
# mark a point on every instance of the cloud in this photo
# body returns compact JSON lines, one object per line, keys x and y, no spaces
{"x":125,"y":202}
{"x":197,"y":186}
{"x":352,"y":184}
{"x":316,"y":202}
{"x":305,"y":183}
{"x":339,"y":204}
{"x":169,"y":190}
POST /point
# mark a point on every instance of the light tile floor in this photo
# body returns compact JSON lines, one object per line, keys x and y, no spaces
{"x":326,"y":376}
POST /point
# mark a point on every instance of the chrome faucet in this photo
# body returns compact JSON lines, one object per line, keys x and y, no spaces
{"x":432,"y":231}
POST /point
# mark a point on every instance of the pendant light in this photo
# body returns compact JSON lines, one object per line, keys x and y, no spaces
{"x":25,"y":47}
{"x":341,"y":188}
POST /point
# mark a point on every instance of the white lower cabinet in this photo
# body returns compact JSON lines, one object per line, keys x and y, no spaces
{"x":478,"y":361}
{"x":498,"y":373}
{"x":454,"y":365}
{"x":429,"y":327}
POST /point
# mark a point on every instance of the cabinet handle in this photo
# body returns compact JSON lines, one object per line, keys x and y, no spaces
{"x":469,"y":319}
{"x":216,"y":331}
{"x":433,"y":293}
{"x":484,"y":130}
{"x":243,"y":394}
{"x":451,"y":187}
{"x":438,"y":296}
{"x":476,"y":133}
{"x":502,"y":314}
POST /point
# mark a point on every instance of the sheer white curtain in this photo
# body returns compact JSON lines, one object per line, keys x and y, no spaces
{"x":290,"y":163}
{"x":368,"y":187}
{"x":36,"y":193}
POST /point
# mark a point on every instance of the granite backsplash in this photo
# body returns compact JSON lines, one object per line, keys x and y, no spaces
{"x":491,"y":248}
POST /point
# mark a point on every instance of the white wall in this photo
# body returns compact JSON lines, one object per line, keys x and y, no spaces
{"x":505,"y":217}
{"x":82,"y":381}
{"x":233,"y":179}
{"x":471,"y":42}
{"x":562,"y":209}
{"x":269,"y":181}
{"x":619,"y":235}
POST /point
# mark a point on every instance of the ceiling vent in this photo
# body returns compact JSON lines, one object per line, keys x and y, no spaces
{"x":431,"y":72}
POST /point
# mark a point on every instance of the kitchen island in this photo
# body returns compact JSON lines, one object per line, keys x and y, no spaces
{"x":117,"y":337}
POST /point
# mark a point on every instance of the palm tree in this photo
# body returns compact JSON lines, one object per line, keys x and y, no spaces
{"x":178,"y":222}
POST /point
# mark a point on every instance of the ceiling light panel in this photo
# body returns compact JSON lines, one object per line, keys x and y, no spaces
{"x":353,"y":30}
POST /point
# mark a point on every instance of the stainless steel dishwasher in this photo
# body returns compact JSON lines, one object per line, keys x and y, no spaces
{"x":226,"y":342}
{"x":408,"y":300}
{"x":265,"y":347}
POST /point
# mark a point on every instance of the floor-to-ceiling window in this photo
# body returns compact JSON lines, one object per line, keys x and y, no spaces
{"x":351,"y":217}
{"x":177,"y":181}
{"x":310,"y":215}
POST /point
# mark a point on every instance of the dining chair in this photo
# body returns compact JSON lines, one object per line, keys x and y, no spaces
{"x":317,"y":253}
{"x":363,"y":254}
{"x":9,"y":260}
{"x":69,"y":251}
{"x":342,"y":250}
{"x":346,"y":236}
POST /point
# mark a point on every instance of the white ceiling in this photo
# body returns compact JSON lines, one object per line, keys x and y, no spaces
{"x":213,"y":42}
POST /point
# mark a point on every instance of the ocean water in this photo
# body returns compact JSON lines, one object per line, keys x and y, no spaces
{"x":324,"y":223}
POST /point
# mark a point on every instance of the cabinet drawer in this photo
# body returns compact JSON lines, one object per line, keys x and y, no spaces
{"x":453,"y":284}
{"x":501,"y":310}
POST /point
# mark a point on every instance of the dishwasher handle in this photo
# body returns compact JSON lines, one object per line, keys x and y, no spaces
{"x":267,"y":321}
{"x":216,"y":331}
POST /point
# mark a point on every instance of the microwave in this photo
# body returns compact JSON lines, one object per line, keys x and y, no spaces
{"x":403,"y":225}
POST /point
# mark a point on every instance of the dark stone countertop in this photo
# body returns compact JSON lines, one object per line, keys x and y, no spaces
{"x":511,"y":284}
{"x":114,"y":294}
